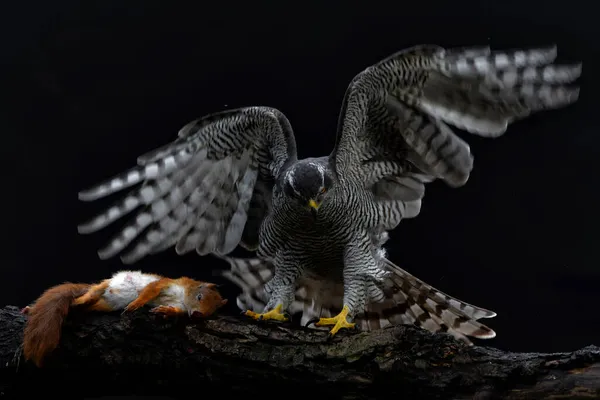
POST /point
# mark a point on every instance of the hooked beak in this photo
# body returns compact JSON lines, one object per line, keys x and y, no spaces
{"x":314,"y":207}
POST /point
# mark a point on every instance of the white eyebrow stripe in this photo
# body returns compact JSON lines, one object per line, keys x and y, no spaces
{"x":289,"y":176}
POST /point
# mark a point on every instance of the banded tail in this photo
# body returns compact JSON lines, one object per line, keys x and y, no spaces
{"x":408,"y":300}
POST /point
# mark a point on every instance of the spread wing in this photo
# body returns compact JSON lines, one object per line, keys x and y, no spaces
{"x":394,"y":130}
{"x":208,"y":190}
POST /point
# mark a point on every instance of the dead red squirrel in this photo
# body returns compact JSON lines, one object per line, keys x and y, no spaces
{"x":125,"y":290}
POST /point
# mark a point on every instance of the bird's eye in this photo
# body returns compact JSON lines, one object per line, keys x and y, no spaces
{"x":199,"y":297}
{"x":323,"y":190}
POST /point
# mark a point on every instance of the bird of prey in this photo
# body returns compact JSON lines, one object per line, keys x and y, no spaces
{"x":318,"y":224}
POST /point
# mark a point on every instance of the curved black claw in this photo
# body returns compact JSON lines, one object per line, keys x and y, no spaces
{"x":288,"y":316}
{"x":311,"y":321}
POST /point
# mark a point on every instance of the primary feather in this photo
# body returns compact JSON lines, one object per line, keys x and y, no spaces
{"x":233,"y":178}
{"x":196,"y":192}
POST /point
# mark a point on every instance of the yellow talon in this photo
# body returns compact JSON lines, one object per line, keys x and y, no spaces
{"x":274,"y":314}
{"x":339,"y":321}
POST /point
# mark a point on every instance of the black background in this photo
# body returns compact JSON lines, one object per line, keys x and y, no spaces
{"x":90,"y":87}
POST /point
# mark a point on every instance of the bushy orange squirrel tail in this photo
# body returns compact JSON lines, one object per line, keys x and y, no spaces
{"x":46,"y":318}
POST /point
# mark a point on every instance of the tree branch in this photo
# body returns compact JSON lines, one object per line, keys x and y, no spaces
{"x":104,"y":354}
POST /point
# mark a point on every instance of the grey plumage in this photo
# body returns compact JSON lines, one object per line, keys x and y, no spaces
{"x":318,"y":225}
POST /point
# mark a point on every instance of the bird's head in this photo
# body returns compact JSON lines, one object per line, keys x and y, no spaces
{"x":309,"y":183}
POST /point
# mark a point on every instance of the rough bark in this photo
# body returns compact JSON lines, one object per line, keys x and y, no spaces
{"x":110,"y":354}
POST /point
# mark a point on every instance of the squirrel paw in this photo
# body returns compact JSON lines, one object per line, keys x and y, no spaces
{"x":166,"y":311}
{"x":131,"y":307}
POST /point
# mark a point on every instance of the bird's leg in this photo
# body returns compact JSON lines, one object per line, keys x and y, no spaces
{"x":354,"y":299}
{"x":281,"y":289}
{"x":359,"y":265}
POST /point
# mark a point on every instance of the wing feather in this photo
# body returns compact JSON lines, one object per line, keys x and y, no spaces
{"x":196,"y":192}
{"x":396,"y":115}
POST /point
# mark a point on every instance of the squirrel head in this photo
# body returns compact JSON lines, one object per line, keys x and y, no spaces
{"x":204,"y":300}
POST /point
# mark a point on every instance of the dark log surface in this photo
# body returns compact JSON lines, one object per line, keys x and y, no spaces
{"x":142,"y":354}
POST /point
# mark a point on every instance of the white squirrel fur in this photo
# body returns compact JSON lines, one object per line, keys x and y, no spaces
{"x":125,"y":286}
